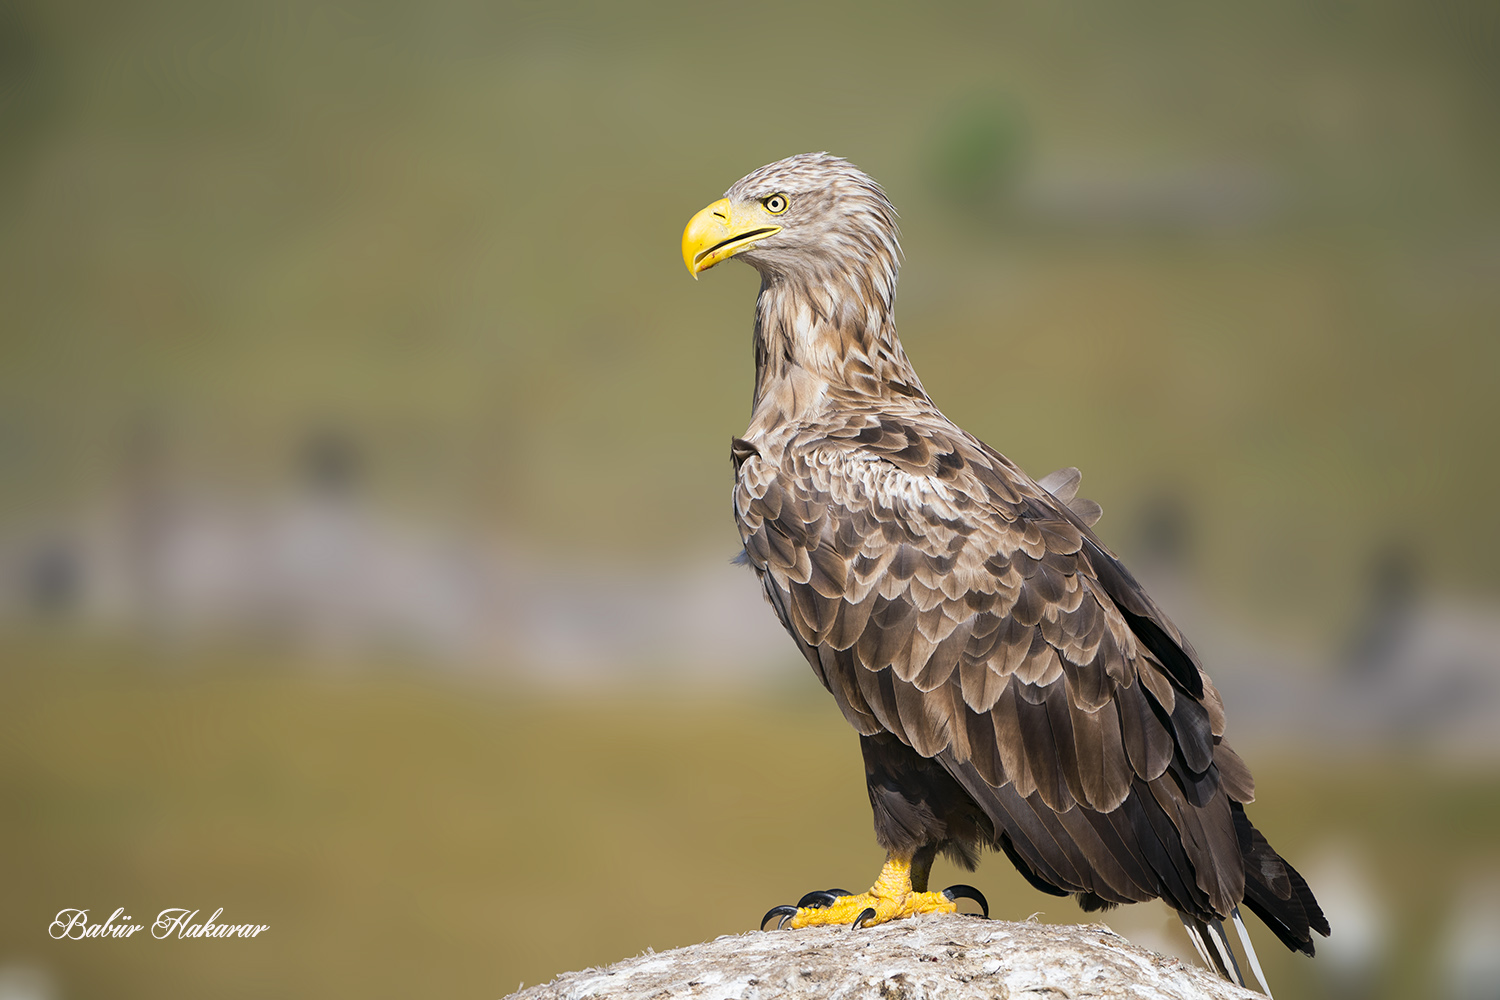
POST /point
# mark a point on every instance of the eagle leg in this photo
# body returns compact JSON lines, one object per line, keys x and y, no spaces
{"x":897,"y":893}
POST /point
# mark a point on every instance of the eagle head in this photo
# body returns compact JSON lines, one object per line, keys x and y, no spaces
{"x":810,"y":215}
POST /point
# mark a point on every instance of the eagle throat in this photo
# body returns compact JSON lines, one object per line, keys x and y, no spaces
{"x":827,"y":336}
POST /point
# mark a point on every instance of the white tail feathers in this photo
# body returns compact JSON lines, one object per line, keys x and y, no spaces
{"x":1260,"y":975}
{"x":1226,"y":953}
{"x":1214,"y":948}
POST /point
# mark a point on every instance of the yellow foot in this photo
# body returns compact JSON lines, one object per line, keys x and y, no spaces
{"x":890,"y":898}
{"x":868,"y":909}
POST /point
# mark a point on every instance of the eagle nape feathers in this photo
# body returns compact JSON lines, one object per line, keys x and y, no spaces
{"x":1013,"y":686}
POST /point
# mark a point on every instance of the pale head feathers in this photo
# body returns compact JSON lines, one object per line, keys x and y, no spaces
{"x":828,"y":288}
{"x":838,"y":223}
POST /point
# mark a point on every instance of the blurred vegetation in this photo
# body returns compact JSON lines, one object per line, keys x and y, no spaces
{"x":979,"y":153}
{"x":403,"y":838}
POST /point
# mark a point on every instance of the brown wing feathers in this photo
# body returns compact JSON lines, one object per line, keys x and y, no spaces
{"x":944,"y":598}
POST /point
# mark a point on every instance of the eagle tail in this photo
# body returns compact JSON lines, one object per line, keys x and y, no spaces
{"x":1212,"y":943}
{"x":1260,"y":974}
{"x":1213,"y":947}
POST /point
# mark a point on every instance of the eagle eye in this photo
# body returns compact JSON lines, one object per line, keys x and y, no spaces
{"x":775,"y":204}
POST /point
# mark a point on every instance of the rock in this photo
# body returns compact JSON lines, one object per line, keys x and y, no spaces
{"x":925,"y":958}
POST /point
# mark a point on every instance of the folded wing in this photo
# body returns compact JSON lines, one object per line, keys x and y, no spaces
{"x":943,"y":596}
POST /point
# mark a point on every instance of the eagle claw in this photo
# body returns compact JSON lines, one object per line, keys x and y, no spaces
{"x":868,"y":913}
{"x":820,"y":898}
{"x":956,"y":892}
{"x":784,"y":912}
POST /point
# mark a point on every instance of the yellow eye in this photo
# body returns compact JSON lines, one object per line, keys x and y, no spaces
{"x":776,"y":204}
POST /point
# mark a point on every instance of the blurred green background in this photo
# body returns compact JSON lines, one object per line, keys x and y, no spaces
{"x":364,"y":482}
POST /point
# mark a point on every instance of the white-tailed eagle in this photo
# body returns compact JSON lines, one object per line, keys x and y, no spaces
{"x":1012,"y":684}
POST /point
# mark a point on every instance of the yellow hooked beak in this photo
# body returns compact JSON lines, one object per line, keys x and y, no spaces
{"x":722,"y":230}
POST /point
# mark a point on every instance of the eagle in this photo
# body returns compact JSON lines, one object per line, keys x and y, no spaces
{"x":1012,"y":684}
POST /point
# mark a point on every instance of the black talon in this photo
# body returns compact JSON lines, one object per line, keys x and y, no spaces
{"x":819,"y":899}
{"x":782,"y":911}
{"x":956,"y":892}
{"x":839,"y":892}
{"x":865,"y":914}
